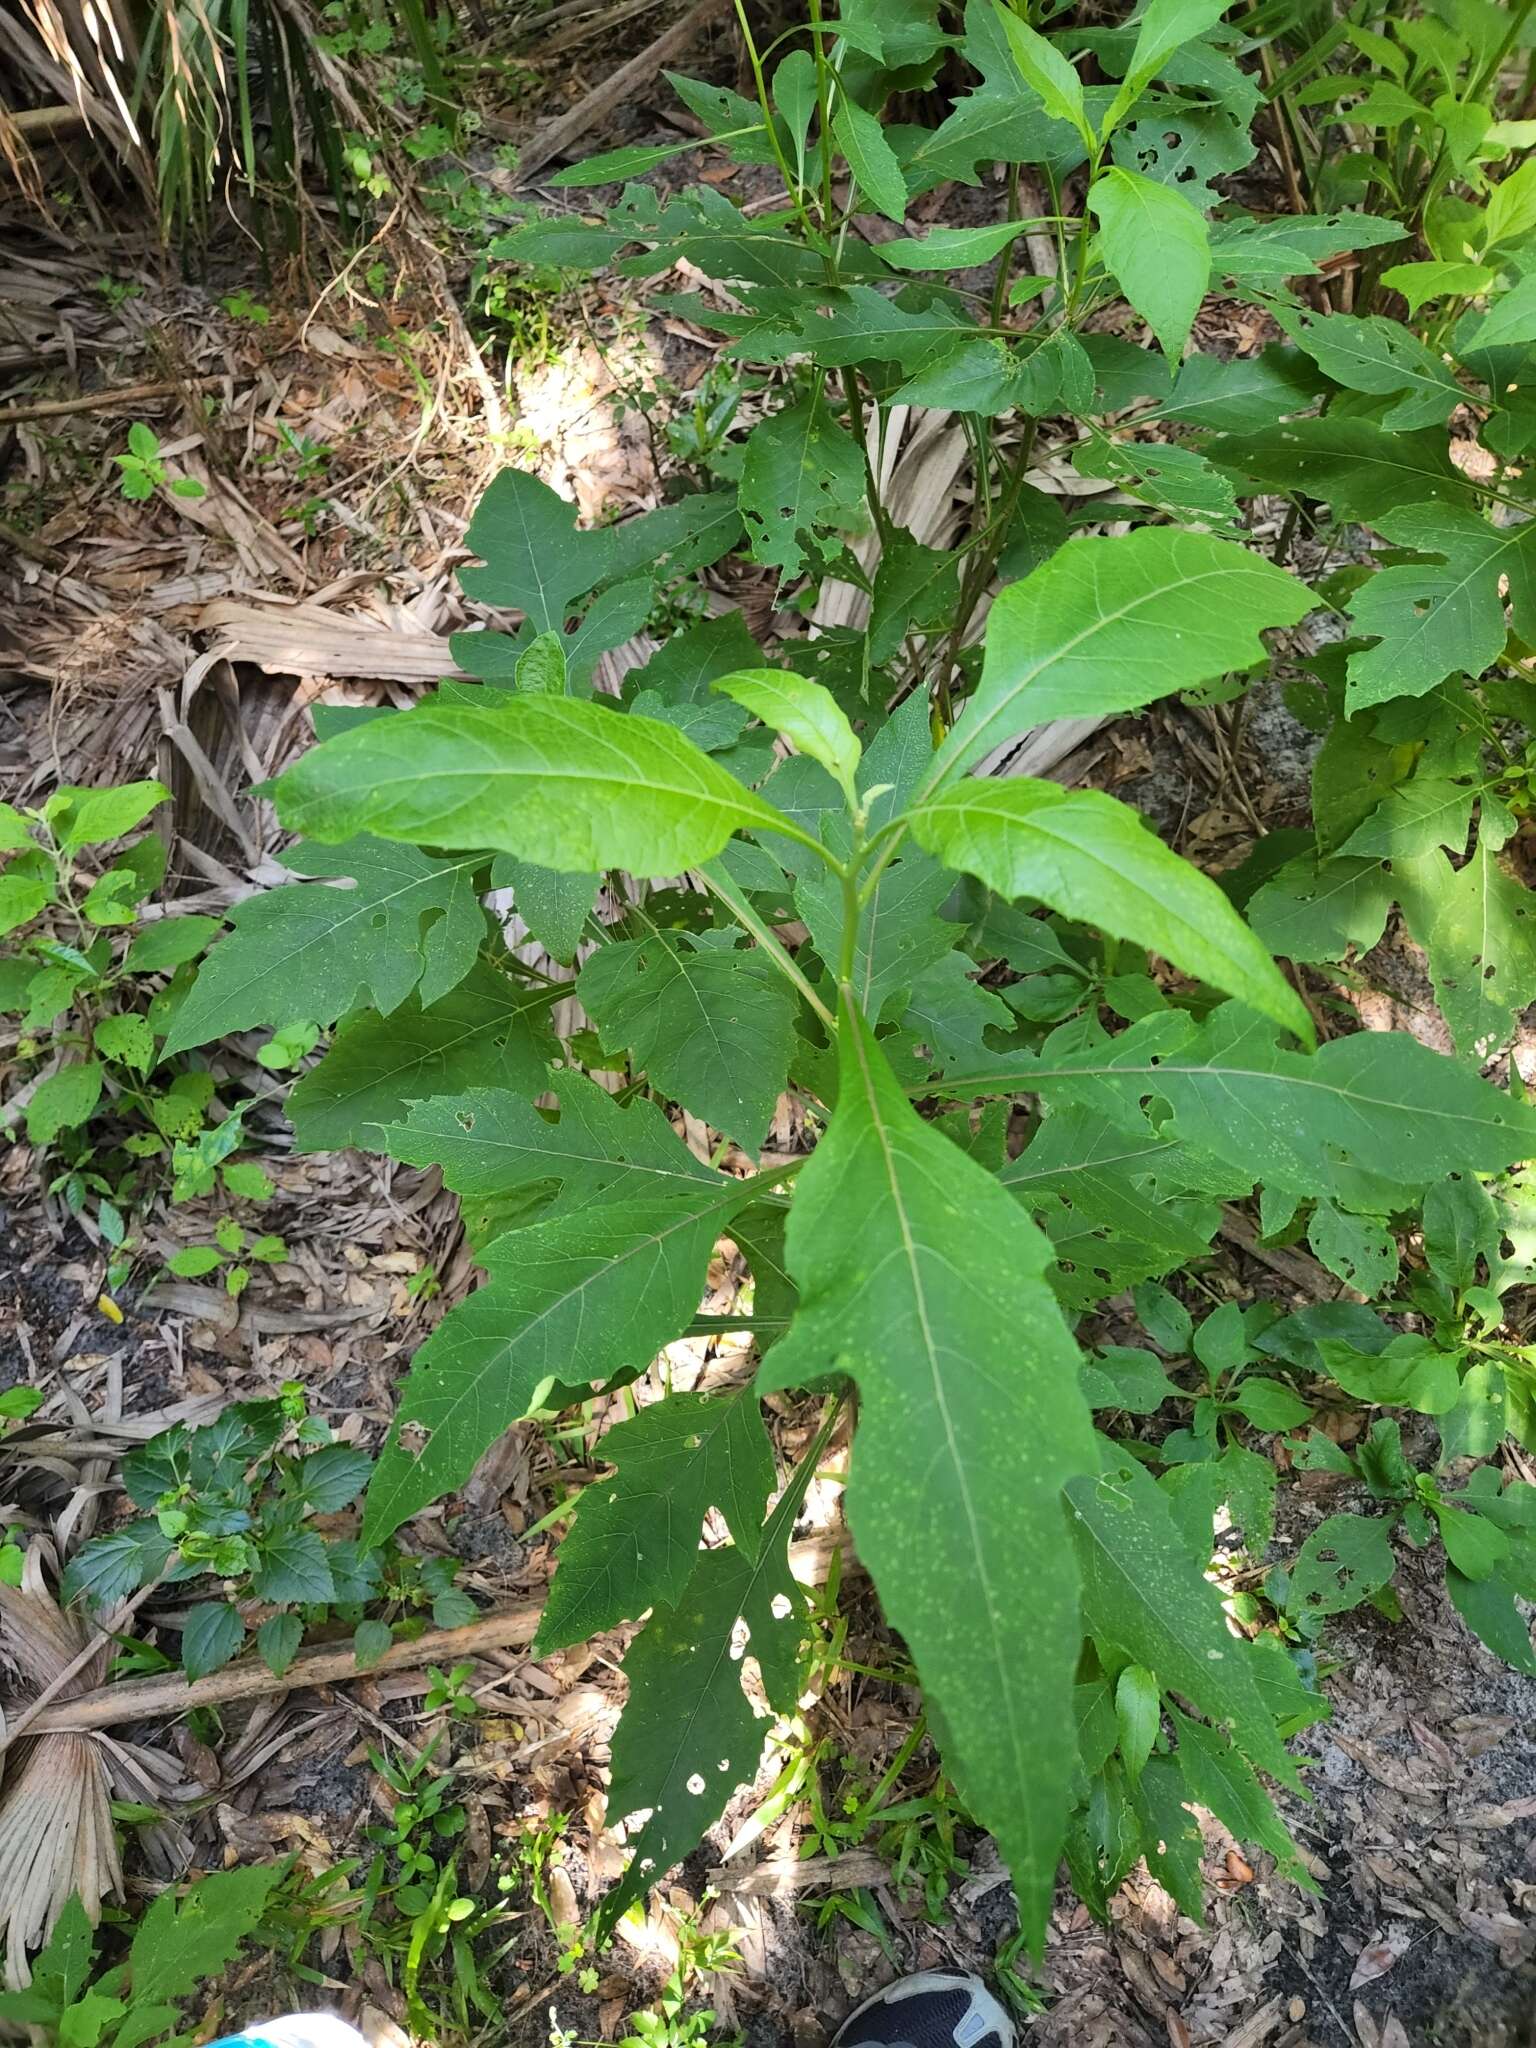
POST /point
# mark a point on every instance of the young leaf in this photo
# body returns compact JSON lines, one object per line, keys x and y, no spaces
{"x":293,"y":1567}
{"x":1461,"y":1225}
{"x":1138,"y":1709}
{"x":591,"y":1293}
{"x":1042,"y":66}
{"x":1110,"y":624}
{"x":1162,"y":29}
{"x":1143,"y":1594}
{"x":1091,"y":858}
{"x":971,"y":1420}
{"x":92,"y":817}
{"x":635,"y":1541}
{"x":951,"y":248}
{"x":712,"y":1027}
{"x":870,"y":158}
{"x":572,"y":785}
{"x":307,"y":952}
{"x":809,"y":717}
{"x":1155,"y":245}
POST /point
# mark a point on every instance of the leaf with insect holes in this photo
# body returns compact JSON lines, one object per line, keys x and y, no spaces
{"x":308,"y":952}
{"x":64,"y":1100}
{"x":1443,"y":613}
{"x":689,"y":1735}
{"x":1477,"y":925}
{"x":1091,"y":858}
{"x":586,"y":1294}
{"x":635,"y":1541}
{"x":970,"y":1421}
{"x":1110,"y":624}
{"x":1155,"y":245}
{"x":1144,"y":1594}
{"x":487,"y":1032}
{"x":1377,"y":1103}
{"x":1342,"y":1563}
{"x":571,"y":785}
{"x":1359,"y":470}
{"x":1042,"y":67}
{"x":802,"y":487}
{"x":1377,"y":356}
{"x":712,"y":1027}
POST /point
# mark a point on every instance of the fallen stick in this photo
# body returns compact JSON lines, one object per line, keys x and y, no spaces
{"x":122,"y":394}
{"x":140,"y":1698}
{"x":576,"y":123}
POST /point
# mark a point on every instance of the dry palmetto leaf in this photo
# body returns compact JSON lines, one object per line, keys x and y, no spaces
{"x":56,"y":1835}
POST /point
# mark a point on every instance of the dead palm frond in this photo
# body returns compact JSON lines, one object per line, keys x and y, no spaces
{"x":56,"y":1834}
{"x":191,"y":96}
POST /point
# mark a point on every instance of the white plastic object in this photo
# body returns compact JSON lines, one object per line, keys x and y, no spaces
{"x":295,"y":2030}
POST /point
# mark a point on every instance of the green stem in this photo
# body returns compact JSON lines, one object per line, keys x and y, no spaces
{"x":791,"y":182}
{"x":760,"y":930}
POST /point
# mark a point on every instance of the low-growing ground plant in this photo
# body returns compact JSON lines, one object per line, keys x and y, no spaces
{"x":1034,"y":1052}
{"x":237,"y":1502}
{"x":91,"y":974}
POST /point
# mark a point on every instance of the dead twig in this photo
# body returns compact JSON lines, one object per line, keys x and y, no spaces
{"x":92,"y":401}
{"x":575,"y":124}
{"x":142,"y":1698}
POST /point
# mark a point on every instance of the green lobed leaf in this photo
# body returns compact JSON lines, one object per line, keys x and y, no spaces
{"x":306,"y":952}
{"x":1476,"y":924}
{"x":689,"y":1735}
{"x":712,"y":1027}
{"x":802,"y":487}
{"x":179,"y":1946}
{"x":970,"y":1422}
{"x":1381,"y":357}
{"x":1361,"y":471}
{"x":635,"y":1541}
{"x":1444,"y":613}
{"x":573,"y":786}
{"x":1342,"y":1563}
{"x":554,"y":907}
{"x":587,"y":1294}
{"x":1216,"y":1777}
{"x":487,"y":1031}
{"x":1091,"y":858}
{"x":1110,"y":624}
